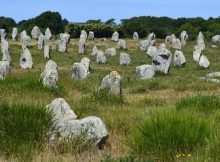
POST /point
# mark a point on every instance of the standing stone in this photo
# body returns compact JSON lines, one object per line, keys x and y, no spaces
{"x":6,"y":56}
{"x":204,"y":62}
{"x":176,"y":44}
{"x":200,"y":41}
{"x":83,"y":35}
{"x":162,"y":60}
{"x":94,"y":51}
{"x":169,"y":39}
{"x":66,"y":124}
{"x":66,"y":37}
{"x":46,"y":51}
{"x":216,"y":39}
{"x":152,"y":51}
{"x":91,"y":35}
{"x":62,"y":45}
{"x":14,"y":34}
{"x":179,"y":59}
{"x":125,"y":59}
{"x":122,"y":44}
{"x":49,"y":76}
{"x":145,"y":72}
{"x":4,"y":69}
{"x":2,"y":34}
{"x":48,"y":34}
{"x":135,"y":36}
{"x":22,"y":35}
{"x":184,"y":37}
{"x":196,"y":53}
{"x":81,"y":70}
{"x":82,"y":46}
{"x":110,"y":52}
{"x":113,"y":83}
{"x":35,"y":33}
{"x":115,"y":36}
{"x":4,"y":45}
{"x":144,"y":44}
{"x":26,"y":59}
{"x":41,"y":41}
{"x":100,"y":57}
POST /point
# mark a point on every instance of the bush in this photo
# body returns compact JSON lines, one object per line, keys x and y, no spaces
{"x":23,"y":129}
{"x":164,"y":134}
{"x":100,"y":29}
{"x":199,"y":102}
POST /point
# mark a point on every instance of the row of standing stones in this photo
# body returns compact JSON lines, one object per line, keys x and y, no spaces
{"x":66,"y":122}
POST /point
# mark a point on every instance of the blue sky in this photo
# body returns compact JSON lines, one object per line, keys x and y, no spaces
{"x":82,"y":10}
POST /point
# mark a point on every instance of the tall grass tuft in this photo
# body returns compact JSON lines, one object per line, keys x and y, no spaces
{"x":23,"y":130}
{"x":199,"y":102}
{"x":165,"y":134}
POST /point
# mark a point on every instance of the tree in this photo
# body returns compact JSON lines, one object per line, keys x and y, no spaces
{"x":111,"y":22}
{"x":93,"y":21}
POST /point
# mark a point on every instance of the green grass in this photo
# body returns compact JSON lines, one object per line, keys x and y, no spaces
{"x":201,"y":103}
{"x":164,"y":134}
{"x":23,"y":130}
{"x":180,"y":89}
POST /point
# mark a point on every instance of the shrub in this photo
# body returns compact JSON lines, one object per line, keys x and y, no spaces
{"x":164,"y":134}
{"x":23,"y":129}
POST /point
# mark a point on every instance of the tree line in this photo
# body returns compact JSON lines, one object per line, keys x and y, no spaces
{"x":161,"y":26}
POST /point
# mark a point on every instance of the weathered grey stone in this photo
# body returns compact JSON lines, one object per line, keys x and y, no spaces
{"x":135,"y":36}
{"x":176,"y":44}
{"x":48,"y":34}
{"x":4,"y":45}
{"x":26,"y":59}
{"x":49,"y":76}
{"x":6,"y":56}
{"x":3,"y":34}
{"x":213,"y":46}
{"x":145,"y":72}
{"x":62,"y":45}
{"x":196,"y":53}
{"x":162,"y":60}
{"x":200,"y":41}
{"x":14,"y":34}
{"x":100,"y":57}
{"x":184,"y":37}
{"x":66,"y":37}
{"x":82,"y":46}
{"x":22,"y":35}
{"x":169,"y":39}
{"x":144,"y":44}
{"x":41,"y":41}
{"x":35,"y":33}
{"x":110,"y":52}
{"x":83,"y":35}
{"x":216,"y":39}
{"x":162,"y":45}
{"x":115,"y":36}
{"x":151,"y":37}
{"x":104,"y":39}
{"x":179,"y":59}
{"x":91,"y":35}
{"x":68,"y":126}
{"x":213,"y":75}
{"x":94,"y":51}
{"x":124,"y":59}
{"x":152,"y":51}
{"x":4,"y":69}
{"x":81,"y":70}
{"x":113,"y":83}
{"x":210,"y":80}
{"x":122,"y":44}
{"x":204,"y":62}
{"x":46,"y":51}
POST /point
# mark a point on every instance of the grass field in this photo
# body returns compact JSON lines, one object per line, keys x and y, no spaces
{"x":174,"y":117}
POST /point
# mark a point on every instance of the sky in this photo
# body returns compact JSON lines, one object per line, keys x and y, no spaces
{"x":83,"y":10}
